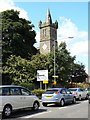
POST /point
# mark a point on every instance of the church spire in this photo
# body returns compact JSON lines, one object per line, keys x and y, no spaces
{"x":48,"y":17}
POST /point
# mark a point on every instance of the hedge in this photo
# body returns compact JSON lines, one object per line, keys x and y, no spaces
{"x":38,"y":92}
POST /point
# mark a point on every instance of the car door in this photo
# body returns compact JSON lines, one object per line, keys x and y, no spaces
{"x":27,"y":98}
{"x":69,"y":95}
{"x":15,"y":98}
{"x":83,"y":93}
{"x":64,"y":95}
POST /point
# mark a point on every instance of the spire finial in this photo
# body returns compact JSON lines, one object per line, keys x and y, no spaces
{"x":48,"y":18}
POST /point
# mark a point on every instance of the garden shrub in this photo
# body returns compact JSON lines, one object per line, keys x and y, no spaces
{"x":38,"y":92}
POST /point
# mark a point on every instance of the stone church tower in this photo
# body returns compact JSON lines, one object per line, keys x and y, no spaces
{"x":48,"y":33}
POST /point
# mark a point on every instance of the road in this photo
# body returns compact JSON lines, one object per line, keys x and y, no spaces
{"x":78,"y":110}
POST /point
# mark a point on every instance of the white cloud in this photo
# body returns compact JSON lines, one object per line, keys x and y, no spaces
{"x":9,"y":4}
{"x":80,"y":48}
{"x":79,"y":44}
{"x":83,"y":35}
{"x":37,"y":44}
{"x":37,"y":36}
{"x":67,"y":28}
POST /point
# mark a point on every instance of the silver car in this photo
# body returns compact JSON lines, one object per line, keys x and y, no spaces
{"x":79,"y":93}
{"x":89,"y":99}
{"x":14,"y":97}
{"x":58,"y":96}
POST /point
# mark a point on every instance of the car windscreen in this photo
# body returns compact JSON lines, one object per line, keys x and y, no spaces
{"x":88,"y":89}
{"x":51,"y":91}
{"x":73,"y":89}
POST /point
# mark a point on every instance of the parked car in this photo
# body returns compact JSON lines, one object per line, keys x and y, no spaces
{"x":58,"y":96}
{"x":16,"y":97}
{"x":89,"y":99}
{"x":88,"y":91}
{"x":79,"y":93}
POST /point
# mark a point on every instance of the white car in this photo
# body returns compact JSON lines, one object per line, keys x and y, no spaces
{"x":79,"y":93}
{"x":14,"y":97}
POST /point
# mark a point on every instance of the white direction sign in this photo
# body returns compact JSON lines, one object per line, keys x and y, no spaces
{"x":42,"y":75}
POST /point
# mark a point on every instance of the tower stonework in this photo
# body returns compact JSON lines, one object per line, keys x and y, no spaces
{"x":48,"y":33}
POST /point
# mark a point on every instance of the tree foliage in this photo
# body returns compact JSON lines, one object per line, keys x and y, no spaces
{"x":78,"y":73}
{"x":18,"y":36}
{"x":63,"y":62}
{"x":20,"y":70}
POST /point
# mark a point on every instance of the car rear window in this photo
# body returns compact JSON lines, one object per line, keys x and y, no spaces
{"x":88,"y":89}
{"x":51,"y":91}
{"x":73,"y":89}
{"x":4,"y":91}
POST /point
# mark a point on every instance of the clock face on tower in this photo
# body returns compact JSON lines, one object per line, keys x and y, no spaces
{"x":44,"y":46}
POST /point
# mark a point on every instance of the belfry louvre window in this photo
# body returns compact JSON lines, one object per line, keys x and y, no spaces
{"x":44,"y":33}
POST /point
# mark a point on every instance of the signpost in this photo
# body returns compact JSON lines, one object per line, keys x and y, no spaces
{"x":55,"y":82}
{"x":42,"y":75}
{"x":55,"y":76}
{"x":45,"y":82}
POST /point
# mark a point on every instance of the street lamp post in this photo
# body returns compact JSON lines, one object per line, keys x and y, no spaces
{"x":55,"y":58}
{"x":54,"y":62}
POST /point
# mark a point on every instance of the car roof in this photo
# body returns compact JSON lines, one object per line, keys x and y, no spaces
{"x":9,"y":86}
{"x":56,"y":88}
{"x":87,"y":88}
{"x":75,"y":88}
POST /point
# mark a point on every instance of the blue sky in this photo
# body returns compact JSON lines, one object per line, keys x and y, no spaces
{"x":71,"y":16}
{"x":77,"y":12}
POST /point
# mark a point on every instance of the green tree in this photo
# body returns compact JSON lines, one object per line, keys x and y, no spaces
{"x":17,"y":70}
{"x":18,"y":36}
{"x":78,"y":73}
{"x":39,"y":62}
{"x":63,"y":62}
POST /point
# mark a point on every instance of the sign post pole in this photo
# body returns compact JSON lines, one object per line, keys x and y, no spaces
{"x":45,"y":86}
{"x":45,"y":82}
{"x":40,"y":84}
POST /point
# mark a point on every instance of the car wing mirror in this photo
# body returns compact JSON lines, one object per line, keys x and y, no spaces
{"x":31,"y":93}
